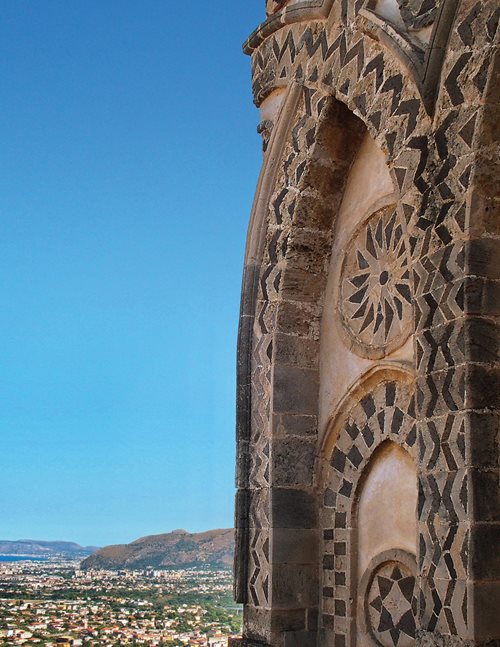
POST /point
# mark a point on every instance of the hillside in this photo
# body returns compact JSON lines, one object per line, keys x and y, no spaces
{"x":35,"y":548}
{"x":177,"y":549}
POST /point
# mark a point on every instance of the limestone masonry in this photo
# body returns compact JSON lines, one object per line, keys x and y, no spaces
{"x":368,"y":503}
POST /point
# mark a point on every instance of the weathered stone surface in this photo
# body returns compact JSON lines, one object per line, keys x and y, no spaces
{"x":293,"y":508}
{"x":295,"y":390}
{"x":293,"y":462}
{"x":294,"y":425}
{"x":242,"y":642}
{"x":295,"y":586}
{"x":485,"y":485}
{"x":300,"y":639}
{"x":290,"y":350}
{"x":486,"y":605}
{"x":370,"y":325}
{"x":485,"y":539}
{"x":295,"y":546}
{"x":484,"y":440}
{"x":301,"y":285}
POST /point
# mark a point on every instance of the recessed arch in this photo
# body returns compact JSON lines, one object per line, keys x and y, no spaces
{"x":373,"y":438}
{"x":381,"y":373}
{"x":385,"y":503}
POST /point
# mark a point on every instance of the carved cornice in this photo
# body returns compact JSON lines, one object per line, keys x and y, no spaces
{"x":303,"y":11}
{"x":422,"y":61}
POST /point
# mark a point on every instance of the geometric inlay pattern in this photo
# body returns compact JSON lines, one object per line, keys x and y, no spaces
{"x":258,"y":466}
{"x":433,"y":163}
{"x":417,"y":14}
{"x":386,"y":413}
{"x":375,"y":290}
{"x":391,"y":605}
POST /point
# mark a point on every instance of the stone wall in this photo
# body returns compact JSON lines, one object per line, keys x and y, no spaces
{"x":368,"y":504}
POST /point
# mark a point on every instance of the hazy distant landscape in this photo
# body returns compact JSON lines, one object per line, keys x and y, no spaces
{"x":176,"y":549}
{"x":37,"y":548}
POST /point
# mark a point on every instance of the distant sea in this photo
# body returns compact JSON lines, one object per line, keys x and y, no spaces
{"x":21,"y":558}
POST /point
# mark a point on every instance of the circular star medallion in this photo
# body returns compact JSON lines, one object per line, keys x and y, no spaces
{"x":375,"y":289}
{"x":390,"y":603}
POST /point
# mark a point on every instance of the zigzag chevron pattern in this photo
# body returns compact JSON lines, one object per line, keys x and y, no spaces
{"x":433,"y":170}
{"x":279,"y":218}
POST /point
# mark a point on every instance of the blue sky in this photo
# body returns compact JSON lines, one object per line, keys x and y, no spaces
{"x":129,"y":158}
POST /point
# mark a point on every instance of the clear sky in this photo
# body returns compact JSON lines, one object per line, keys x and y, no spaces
{"x":129,"y":158}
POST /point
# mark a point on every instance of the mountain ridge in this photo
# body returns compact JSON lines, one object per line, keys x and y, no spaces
{"x":176,"y":549}
{"x":42,"y":548}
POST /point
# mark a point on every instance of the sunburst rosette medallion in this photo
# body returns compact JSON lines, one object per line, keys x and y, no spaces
{"x":375,"y":290}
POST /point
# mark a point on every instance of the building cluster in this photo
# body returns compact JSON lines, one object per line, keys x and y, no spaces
{"x":54,"y":604}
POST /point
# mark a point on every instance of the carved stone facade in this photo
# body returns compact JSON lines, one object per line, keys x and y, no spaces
{"x":368,"y":503}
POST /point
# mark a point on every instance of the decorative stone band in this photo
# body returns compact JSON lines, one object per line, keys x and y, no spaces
{"x":265,"y":129}
{"x":305,"y":10}
{"x":422,"y":62}
{"x":277,"y":5}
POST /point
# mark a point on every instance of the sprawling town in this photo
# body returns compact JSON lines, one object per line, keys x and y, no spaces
{"x":55,"y":604}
